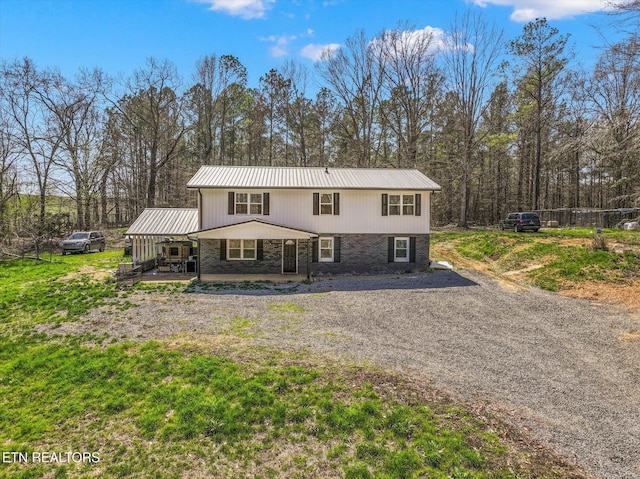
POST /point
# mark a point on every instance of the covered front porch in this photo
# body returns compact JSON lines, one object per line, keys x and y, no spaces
{"x":254,"y":247}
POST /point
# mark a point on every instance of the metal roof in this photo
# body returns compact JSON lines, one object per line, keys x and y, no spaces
{"x":310,"y":177}
{"x":165,"y":221}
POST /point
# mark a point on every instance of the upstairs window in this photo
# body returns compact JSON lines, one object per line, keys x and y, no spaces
{"x":326,"y":203}
{"x":248,"y":203}
{"x":401,"y":205}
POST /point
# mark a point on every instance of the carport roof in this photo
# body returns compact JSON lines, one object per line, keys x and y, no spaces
{"x":165,"y":221}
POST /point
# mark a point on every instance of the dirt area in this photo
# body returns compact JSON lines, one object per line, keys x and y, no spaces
{"x":606,"y":293}
{"x":598,"y":292}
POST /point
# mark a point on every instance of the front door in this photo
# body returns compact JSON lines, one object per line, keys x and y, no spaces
{"x":289,"y":256}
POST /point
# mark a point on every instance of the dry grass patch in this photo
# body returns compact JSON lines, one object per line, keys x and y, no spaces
{"x":609,"y":293}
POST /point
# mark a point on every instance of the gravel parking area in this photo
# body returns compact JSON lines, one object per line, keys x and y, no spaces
{"x":564,"y":369}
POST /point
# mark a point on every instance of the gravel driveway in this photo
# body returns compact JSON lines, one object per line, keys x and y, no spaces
{"x":562,"y":368}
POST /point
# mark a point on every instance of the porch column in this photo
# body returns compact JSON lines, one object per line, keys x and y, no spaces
{"x":308,"y":260}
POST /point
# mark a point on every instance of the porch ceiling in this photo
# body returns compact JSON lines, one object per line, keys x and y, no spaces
{"x":254,"y":229}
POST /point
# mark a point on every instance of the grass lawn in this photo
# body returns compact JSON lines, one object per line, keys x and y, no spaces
{"x":98,"y":407}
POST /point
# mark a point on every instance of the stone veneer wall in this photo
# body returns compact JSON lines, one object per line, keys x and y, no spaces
{"x":359,"y":254}
{"x":368,"y":254}
{"x":271,"y":264}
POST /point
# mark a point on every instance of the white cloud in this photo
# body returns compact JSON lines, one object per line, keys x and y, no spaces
{"x":314,"y":51}
{"x":433,"y":38}
{"x":247,"y":9}
{"x":527,"y":10}
{"x":278,"y":51}
{"x":281,"y":47}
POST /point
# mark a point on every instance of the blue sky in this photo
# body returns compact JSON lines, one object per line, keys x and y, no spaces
{"x":118,"y":35}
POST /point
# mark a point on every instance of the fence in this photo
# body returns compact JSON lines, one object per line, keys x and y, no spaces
{"x":589,"y":217}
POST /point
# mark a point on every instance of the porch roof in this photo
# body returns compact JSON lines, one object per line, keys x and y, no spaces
{"x":252,"y":229}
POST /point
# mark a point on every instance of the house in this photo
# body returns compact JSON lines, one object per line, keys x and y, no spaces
{"x":275,"y":220}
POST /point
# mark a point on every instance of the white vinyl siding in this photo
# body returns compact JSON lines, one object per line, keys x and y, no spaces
{"x":359,"y":213}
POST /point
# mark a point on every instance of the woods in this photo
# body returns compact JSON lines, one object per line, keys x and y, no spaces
{"x":501,"y":124}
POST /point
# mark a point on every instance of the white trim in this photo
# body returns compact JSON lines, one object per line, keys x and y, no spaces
{"x":248,"y":203}
{"x":401,"y":259}
{"x":329,"y":259}
{"x":330,"y":203}
{"x":401,"y":206}
{"x":253,"y":229}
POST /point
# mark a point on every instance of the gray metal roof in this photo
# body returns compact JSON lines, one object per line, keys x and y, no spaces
{"x":165,"y":221}
{"x":310,"y":177}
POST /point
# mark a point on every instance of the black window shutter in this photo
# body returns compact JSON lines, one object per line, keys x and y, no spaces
{"x":412,"y":249}
{"x":391,"y":254}
{"x":336,"y":203}
{"x":418,"y":209}
{"x":316,"y":203}
{"x":385,"y":202}
{"x":336,"y":249}
{"x":260,"y":249}
{"x":314,"y":250}
{"x":223,"y":250}
{"x":232,"y":203}
{"x":265,"y":203}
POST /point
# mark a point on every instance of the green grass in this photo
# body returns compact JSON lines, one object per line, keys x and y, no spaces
{"x":171,"y":409}
{"x":136,"y":405}
{"x":33,"y":292}
{"x":559,"y":259}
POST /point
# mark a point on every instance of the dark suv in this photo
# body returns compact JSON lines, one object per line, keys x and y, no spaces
{"x":82,"y":242}
{"x":521,"y":222}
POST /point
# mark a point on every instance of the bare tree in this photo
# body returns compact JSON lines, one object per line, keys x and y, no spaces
{"x":354,"y":77}
{"x":412,"y":79}
{"x":24,"y":90}
{"x":76,"y":120}
{"x":8,"y":171}
{"x":471,"y":54}
{"x":615,"y":95}
{"x":154,"y":114}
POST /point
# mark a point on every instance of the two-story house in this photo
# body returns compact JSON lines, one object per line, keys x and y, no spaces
{"x":313,"y":221}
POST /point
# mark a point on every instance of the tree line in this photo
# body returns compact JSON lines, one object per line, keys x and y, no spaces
{"x":501,"y":125}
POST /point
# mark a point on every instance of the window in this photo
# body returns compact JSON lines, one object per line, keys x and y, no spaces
{"x":326,"y":250}
{"x":401,"y":250}
{"x":401,"y":205}
{"x":248,"y":203}
{"x":241,"y":249}
{"x":326,"y":204}
{"x":405,"y":205}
